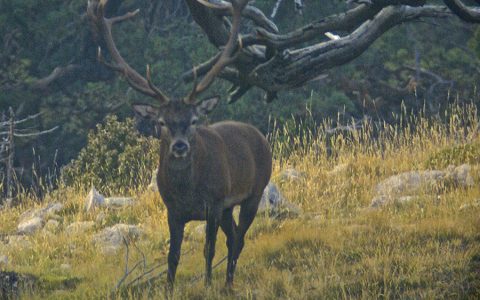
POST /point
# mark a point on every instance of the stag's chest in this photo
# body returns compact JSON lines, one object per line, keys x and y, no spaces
{"x":181,"y":195}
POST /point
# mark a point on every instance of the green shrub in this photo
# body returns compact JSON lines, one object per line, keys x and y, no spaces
{"x":456,"y":155}
{"x":116,"y":159}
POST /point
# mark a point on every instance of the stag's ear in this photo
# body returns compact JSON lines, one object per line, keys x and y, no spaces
{"x":146,"y":111}
{"x":207,"y":105}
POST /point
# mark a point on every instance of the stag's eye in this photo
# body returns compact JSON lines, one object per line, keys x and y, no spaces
{"x":161,"y":122}
{"x":194,"y":121}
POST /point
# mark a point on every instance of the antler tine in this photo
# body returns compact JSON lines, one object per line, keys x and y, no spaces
{"x":103,"y":28}
{"x":153,"y":87}
{"x":226,"y":57}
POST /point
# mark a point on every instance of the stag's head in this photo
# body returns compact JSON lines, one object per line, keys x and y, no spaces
{"x":177,"y":119}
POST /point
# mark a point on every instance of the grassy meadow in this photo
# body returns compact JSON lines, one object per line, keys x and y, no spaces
{"x":337,"y":248}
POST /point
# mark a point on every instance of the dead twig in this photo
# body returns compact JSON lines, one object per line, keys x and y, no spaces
{"x":198,"y":277}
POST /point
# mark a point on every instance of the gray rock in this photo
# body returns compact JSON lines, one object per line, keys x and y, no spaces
{"x":274,"y":204}
{"x":94,"y":199}
{"x":461,"y":175}
{"x":271,"y":198}
{"x":403,"y":187}
{"x":111,"y":239}
{"x":382,"y":200}
{"x":30,"y":226}
{"x":117,"y":202}
{"x":33,"y":220}
{"x":79,"y":227}
{"x":408,"y":182}
{"x":3,"y":260}
{"x":43,"y":213}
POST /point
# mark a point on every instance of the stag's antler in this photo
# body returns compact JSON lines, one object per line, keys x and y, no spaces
{"x":227,"y":55}
{"x":102,"y":28}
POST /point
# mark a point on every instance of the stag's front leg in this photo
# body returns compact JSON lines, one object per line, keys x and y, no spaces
{"x":214,"y":215}
{"x":176,"y":237}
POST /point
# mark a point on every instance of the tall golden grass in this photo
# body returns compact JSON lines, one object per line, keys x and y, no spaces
{"x":338,"y":248}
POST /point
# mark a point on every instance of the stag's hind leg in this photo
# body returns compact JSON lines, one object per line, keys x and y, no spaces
{"x":248,"y":210}
{"x":229,"y":228}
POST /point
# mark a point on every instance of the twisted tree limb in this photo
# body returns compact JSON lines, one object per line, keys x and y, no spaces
{"x":276,"y":62}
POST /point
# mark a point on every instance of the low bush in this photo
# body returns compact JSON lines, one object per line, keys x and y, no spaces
{"x":116,"y":158}
{"x":454,"y":155}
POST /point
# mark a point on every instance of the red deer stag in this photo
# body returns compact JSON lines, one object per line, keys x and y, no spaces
{"x":204,"y":170}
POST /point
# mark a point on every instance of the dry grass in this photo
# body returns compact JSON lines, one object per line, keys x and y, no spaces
{"x":338,"y":248}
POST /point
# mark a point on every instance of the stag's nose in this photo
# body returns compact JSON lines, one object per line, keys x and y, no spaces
{"x":180,"y":149}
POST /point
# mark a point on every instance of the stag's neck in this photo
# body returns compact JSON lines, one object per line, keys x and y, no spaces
{"x":180,"y":171}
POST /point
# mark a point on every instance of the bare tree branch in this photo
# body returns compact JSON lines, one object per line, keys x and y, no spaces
{"x":57,"y":73}
{"x":340,"y":22}
{"x":280,"y":61}
{"x":294,"y":68}
{"x":224,"y":8}
{"x":286,"y":69}
{"x":35,"y":133}
{"x":467,"y":14}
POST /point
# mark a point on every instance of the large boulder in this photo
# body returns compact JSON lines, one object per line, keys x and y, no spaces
{"x":30,"y":226}
{"x":95,"y":199}
{"x":48,"y":211}
{"x":461,"y":175}
{"x":403,"y":187}
{"x":271,"y":198}
{"x":118,"y":202}
{"x":32,"y":220}
{"x":111,"y":239}
{"x":274,"y":204}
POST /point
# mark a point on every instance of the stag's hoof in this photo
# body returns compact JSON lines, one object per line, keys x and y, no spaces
{"x":227,"y":290}
{"x":208,"y":282}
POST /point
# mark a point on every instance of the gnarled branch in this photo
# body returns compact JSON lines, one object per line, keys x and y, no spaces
{"x":278,"y":61}
{"x":467,"y":14}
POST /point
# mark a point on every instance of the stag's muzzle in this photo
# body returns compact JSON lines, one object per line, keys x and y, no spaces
{"x":179,"y":148}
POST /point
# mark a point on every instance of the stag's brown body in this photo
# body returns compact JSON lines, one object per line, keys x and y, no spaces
{"x":230,"y":163}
